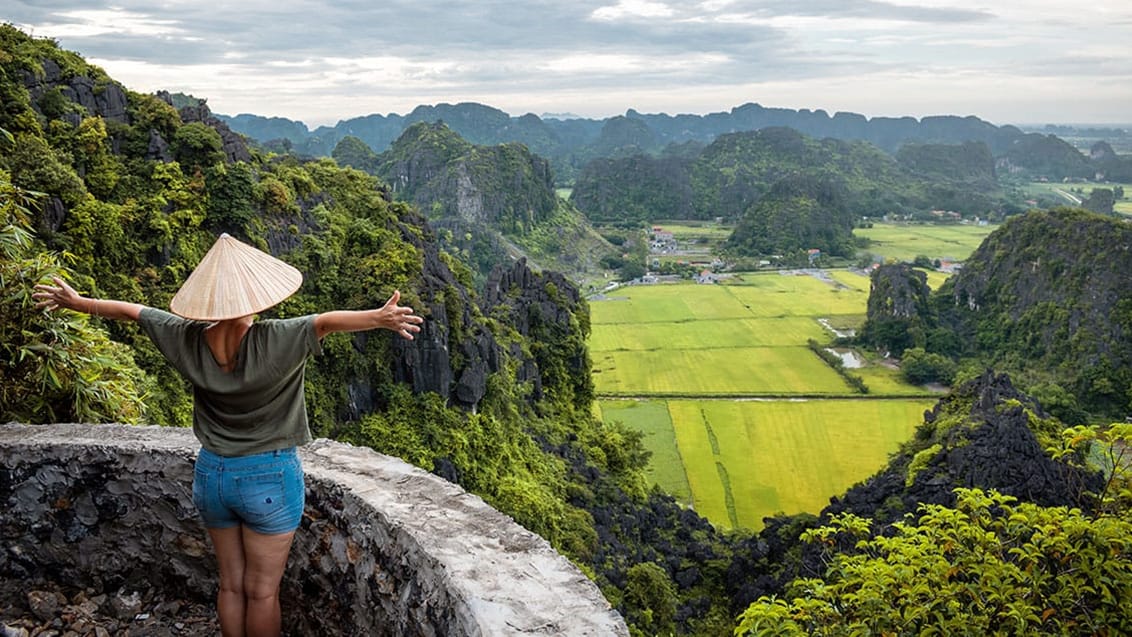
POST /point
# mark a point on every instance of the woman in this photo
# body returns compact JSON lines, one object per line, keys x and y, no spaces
{"x":248,"y":409}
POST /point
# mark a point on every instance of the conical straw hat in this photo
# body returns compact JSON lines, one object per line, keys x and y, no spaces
{"x":234,"y":279}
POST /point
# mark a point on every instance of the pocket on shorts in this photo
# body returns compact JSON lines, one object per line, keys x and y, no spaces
{"x":261,"y":494}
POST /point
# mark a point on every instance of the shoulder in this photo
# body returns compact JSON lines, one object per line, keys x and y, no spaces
{"x":285,"y":325}
{"x":151,"y":317}
{"x":299,"y":331}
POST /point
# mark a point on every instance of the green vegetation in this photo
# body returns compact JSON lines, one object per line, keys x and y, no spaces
{"x":736,"y":372}
{"x":490,"y":204}
{"x":1045,"y":298}
{"x":505,"y":411}
{"x":651,"y":418}
{"x":905,"y":241}
{"x":1052,"y":194}
{"x":740,"y":461}
{"x":783,"y":456}
{"x":990,"y":565}
{"x":495,"y":393}
{"x":778,"y":456}
{"x":788,"y":193}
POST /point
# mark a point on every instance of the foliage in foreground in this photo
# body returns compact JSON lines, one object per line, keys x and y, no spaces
{"x":990,"y":565}
{"x":57,"y":367}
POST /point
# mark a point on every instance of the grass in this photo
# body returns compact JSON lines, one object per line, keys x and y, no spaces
{"x":737,"y":371}
{"x":745,"y":460}
{"x":905,"y":242}
{"x":707,"y":373}
{"x":686,"y":231}
{"x":666,"y":467}
{"x":706,"y":334}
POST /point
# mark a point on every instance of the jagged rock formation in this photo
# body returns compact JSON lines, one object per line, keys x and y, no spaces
{"x":99,"y":96}
{"x":981,"y":436}
{"x":898,"y":308}
{"x":233,"y":144}
{"x":1052,"y":289}
{"x":504,"y":187}
{"x":551,"y":314}
{"x":490,"y":205}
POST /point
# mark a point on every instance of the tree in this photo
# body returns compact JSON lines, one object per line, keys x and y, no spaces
{"x":987,"y":566}
{"x":54,"y":367}
{"x":1100,"y":200}
{"x":197,"y":145}
{"x":919,"y":367}
{"x":650,"y":599}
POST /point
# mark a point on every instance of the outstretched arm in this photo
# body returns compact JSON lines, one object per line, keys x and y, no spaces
{"x":393,"y":317}
{"x":60,"y":295}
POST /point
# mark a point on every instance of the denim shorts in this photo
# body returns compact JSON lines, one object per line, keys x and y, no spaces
{"x":264,"y":491}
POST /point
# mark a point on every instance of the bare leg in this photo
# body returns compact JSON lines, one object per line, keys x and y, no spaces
{"x":230,"y":602}
{"x":266,"y":558}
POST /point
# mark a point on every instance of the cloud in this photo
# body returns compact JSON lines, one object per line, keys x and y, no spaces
{"x":321,"y":57}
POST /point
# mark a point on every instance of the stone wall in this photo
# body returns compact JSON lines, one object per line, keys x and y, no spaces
{"x":384,"y":548}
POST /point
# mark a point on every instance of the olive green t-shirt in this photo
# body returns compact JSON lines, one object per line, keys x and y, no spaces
{"x":258,"y":406}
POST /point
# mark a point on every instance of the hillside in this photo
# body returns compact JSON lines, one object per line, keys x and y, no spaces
{"x":972,"y":526}
{"x":122,"y":193}
{"x":789,"y":193}
{"x":1050,"y":294}
{"x":489,"y":203}
{"x":494,"y":392}
{"x":1047,"y":296}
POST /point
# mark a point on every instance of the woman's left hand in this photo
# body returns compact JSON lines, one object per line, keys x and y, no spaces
{"x":399,"y":318}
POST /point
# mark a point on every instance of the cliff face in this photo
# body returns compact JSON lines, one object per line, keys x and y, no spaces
{"x":1053,"y":289}
{"x":898,"y":309}
{"x":455,"y":353}
{"x":504,"y":187}
{"x":97,"y":95}
{"x":550,"y":313}
{"x":984,"y":435}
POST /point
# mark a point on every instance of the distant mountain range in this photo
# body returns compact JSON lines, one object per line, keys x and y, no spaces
{"x":569,"y":144}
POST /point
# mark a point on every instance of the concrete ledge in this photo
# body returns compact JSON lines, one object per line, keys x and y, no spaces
{"x":384,"y":547}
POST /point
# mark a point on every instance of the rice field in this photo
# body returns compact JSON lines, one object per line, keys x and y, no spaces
{"x":734,"y":372}
{"x":743,"y":420}
{"x":905,"y":242}
{"x":737,"y":462}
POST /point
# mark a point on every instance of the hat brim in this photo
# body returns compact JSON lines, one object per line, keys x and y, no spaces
{"x":233,"y":280}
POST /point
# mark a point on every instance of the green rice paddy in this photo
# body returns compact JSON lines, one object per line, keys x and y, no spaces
{"x":905,"y":242}
{"x":743,"y":420}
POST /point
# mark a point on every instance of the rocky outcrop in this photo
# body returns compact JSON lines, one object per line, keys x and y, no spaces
{"x":897,"y":291}
{"x":158,"y":148}
{"x":454,"y":353}
{"x":1052,"y":289}
{"x":549,"y":311}
{"x":102,"y":98}
{"x":232,"y":143}
{"x":980,"y":436}
{"x":505,"y":187}
{"x":898,"y":308}
{"x":384,"y":548}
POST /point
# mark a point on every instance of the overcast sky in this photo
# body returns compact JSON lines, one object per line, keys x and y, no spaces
{"x":319,"y":61}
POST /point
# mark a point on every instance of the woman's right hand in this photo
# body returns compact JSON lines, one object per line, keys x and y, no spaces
{"x":51,"y":297}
